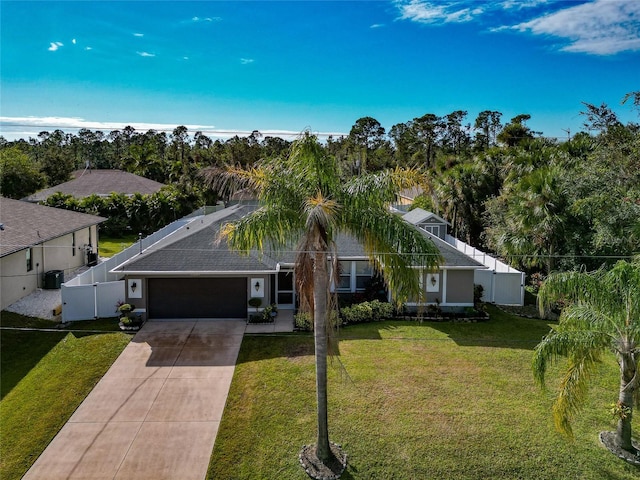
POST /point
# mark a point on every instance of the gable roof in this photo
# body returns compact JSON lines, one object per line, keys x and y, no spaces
{"x":196,"y":248}
{"x":418,"y":215}
{"x":28,"y":224}
{"x":100,"y":182}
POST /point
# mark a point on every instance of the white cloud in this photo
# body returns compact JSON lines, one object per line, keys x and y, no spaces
{"x":13,"y":128}
{"x":206,"y":19}
{"x":66,"y":123}
{"x":138,"y":34}
{"x":73,"y":41}
{"x":602,"y":27}
{"x":521,"y":4}
{"x":246,"y":61}
{"x":88,"y":48}
{"x":377,"y":25}
{"x":146,"y":54}
{"x":53,"y":46}
{"x":423,"y":11}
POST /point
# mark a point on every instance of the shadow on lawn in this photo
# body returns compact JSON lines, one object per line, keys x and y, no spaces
{"x":22,"y":350}
{"x":521,"y":337}
{"x":502,"y":330}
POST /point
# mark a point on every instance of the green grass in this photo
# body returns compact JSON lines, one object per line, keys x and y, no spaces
{"x":413,"y":401}
{"x":45,"y":376}
{"x":109,"y":246}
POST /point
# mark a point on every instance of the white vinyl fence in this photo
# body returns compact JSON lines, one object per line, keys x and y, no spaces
{"x":95,"y":293}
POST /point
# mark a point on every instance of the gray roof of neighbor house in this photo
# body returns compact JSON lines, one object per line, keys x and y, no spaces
{"x":197,"y":248}
{"x":27,"y":224}
{"x":418,"y":215}
{"x":100,"y":182}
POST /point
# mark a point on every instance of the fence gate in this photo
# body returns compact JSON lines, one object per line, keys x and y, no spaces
{"x":86,"y":302}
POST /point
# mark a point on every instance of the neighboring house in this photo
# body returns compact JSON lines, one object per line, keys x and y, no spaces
{"x":192,"y":274}
{"x":100,"y":182}
{"x":408,"y":195}
{"x":35,"y":239}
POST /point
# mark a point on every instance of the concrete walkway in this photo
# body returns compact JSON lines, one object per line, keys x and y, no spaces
{"x":155,"y":414}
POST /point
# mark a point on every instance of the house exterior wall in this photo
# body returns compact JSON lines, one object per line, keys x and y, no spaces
{"x":16,"y":281}
{"x":54,"y":254}
{"x":459,"y":287}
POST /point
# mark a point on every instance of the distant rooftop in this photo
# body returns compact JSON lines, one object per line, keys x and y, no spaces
{"x":25,"y":224}
{"x":99,"y":182}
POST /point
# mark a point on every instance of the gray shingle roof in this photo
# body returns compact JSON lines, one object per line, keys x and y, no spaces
{"x":27,"y":224}
{"x":451,"y":255}
{"x":197,"y":249}
{"x":100,"y":182}
{"x":418,"y":215}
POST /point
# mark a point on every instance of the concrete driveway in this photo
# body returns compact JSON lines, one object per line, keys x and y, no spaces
{"x":155,"y":414}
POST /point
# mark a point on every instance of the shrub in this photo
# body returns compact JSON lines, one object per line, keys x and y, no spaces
{"x":303,"y":321}
{"x":269,"y":312}
{"x":381,"y":310}
{"x":255,"y":302}
{"x":367,"y":312}
{"x":478,"y":290}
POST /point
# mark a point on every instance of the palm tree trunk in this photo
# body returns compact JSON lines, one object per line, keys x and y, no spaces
{"x":625,"y":399}
{"x":320,"y":283}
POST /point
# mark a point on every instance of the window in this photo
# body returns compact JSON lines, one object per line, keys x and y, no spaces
{"x":363,"y":274}
{"x":344,"y":281}
{"x":432,"y":229}
{"x":354,"y":276}
{"x":73,"y":244}
{"x":29,"y":259}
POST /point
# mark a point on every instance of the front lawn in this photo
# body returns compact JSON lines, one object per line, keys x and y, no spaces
{"x":45,"y":376}
{"x":413,"y":401}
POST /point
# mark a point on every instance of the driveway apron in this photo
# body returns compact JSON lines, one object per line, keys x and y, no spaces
{"x":155,"y":413}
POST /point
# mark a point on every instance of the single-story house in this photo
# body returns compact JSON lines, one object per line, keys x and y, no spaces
{"x":35,"y":239}
{"x":192,"y":274}
{"x":100,"y":182}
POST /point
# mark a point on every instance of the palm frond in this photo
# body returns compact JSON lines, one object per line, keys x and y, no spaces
{"x":573,"y":390}
{"x":229,"y":180}
{"x":394,"y":247}
{"x":557,"y":344}
{"x":268,"y":228}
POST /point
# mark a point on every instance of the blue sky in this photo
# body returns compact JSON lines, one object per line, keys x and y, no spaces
{"x":285,"y":66}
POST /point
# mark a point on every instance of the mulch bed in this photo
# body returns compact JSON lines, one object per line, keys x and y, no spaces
{"x":318,"y":470}
{"x":607,"y":439}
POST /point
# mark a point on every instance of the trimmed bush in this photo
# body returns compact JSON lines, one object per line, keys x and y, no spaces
{"x":303,"y":321}
{"x":372,"y":311}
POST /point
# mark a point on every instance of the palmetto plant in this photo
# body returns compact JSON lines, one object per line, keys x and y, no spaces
{"x":305,"y":204}
{"x":601,"y":315}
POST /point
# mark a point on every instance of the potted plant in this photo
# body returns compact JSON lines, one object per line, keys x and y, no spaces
{"x":127,"y":320}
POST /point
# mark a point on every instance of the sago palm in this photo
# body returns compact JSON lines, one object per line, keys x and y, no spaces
{"x":304,"y":204}
{"x":601,"y":314}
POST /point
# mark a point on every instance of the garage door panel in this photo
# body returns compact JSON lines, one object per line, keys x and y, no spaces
{"x":197,"y":297}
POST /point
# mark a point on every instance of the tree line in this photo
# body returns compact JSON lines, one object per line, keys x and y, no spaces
{"x":537,"y":202}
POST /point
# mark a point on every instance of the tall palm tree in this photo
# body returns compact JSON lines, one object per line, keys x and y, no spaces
{"x":303,"y":198}
{"x":602,"y":314}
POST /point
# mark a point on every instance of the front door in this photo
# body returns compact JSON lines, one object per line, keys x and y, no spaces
{"x":285,"y":290}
